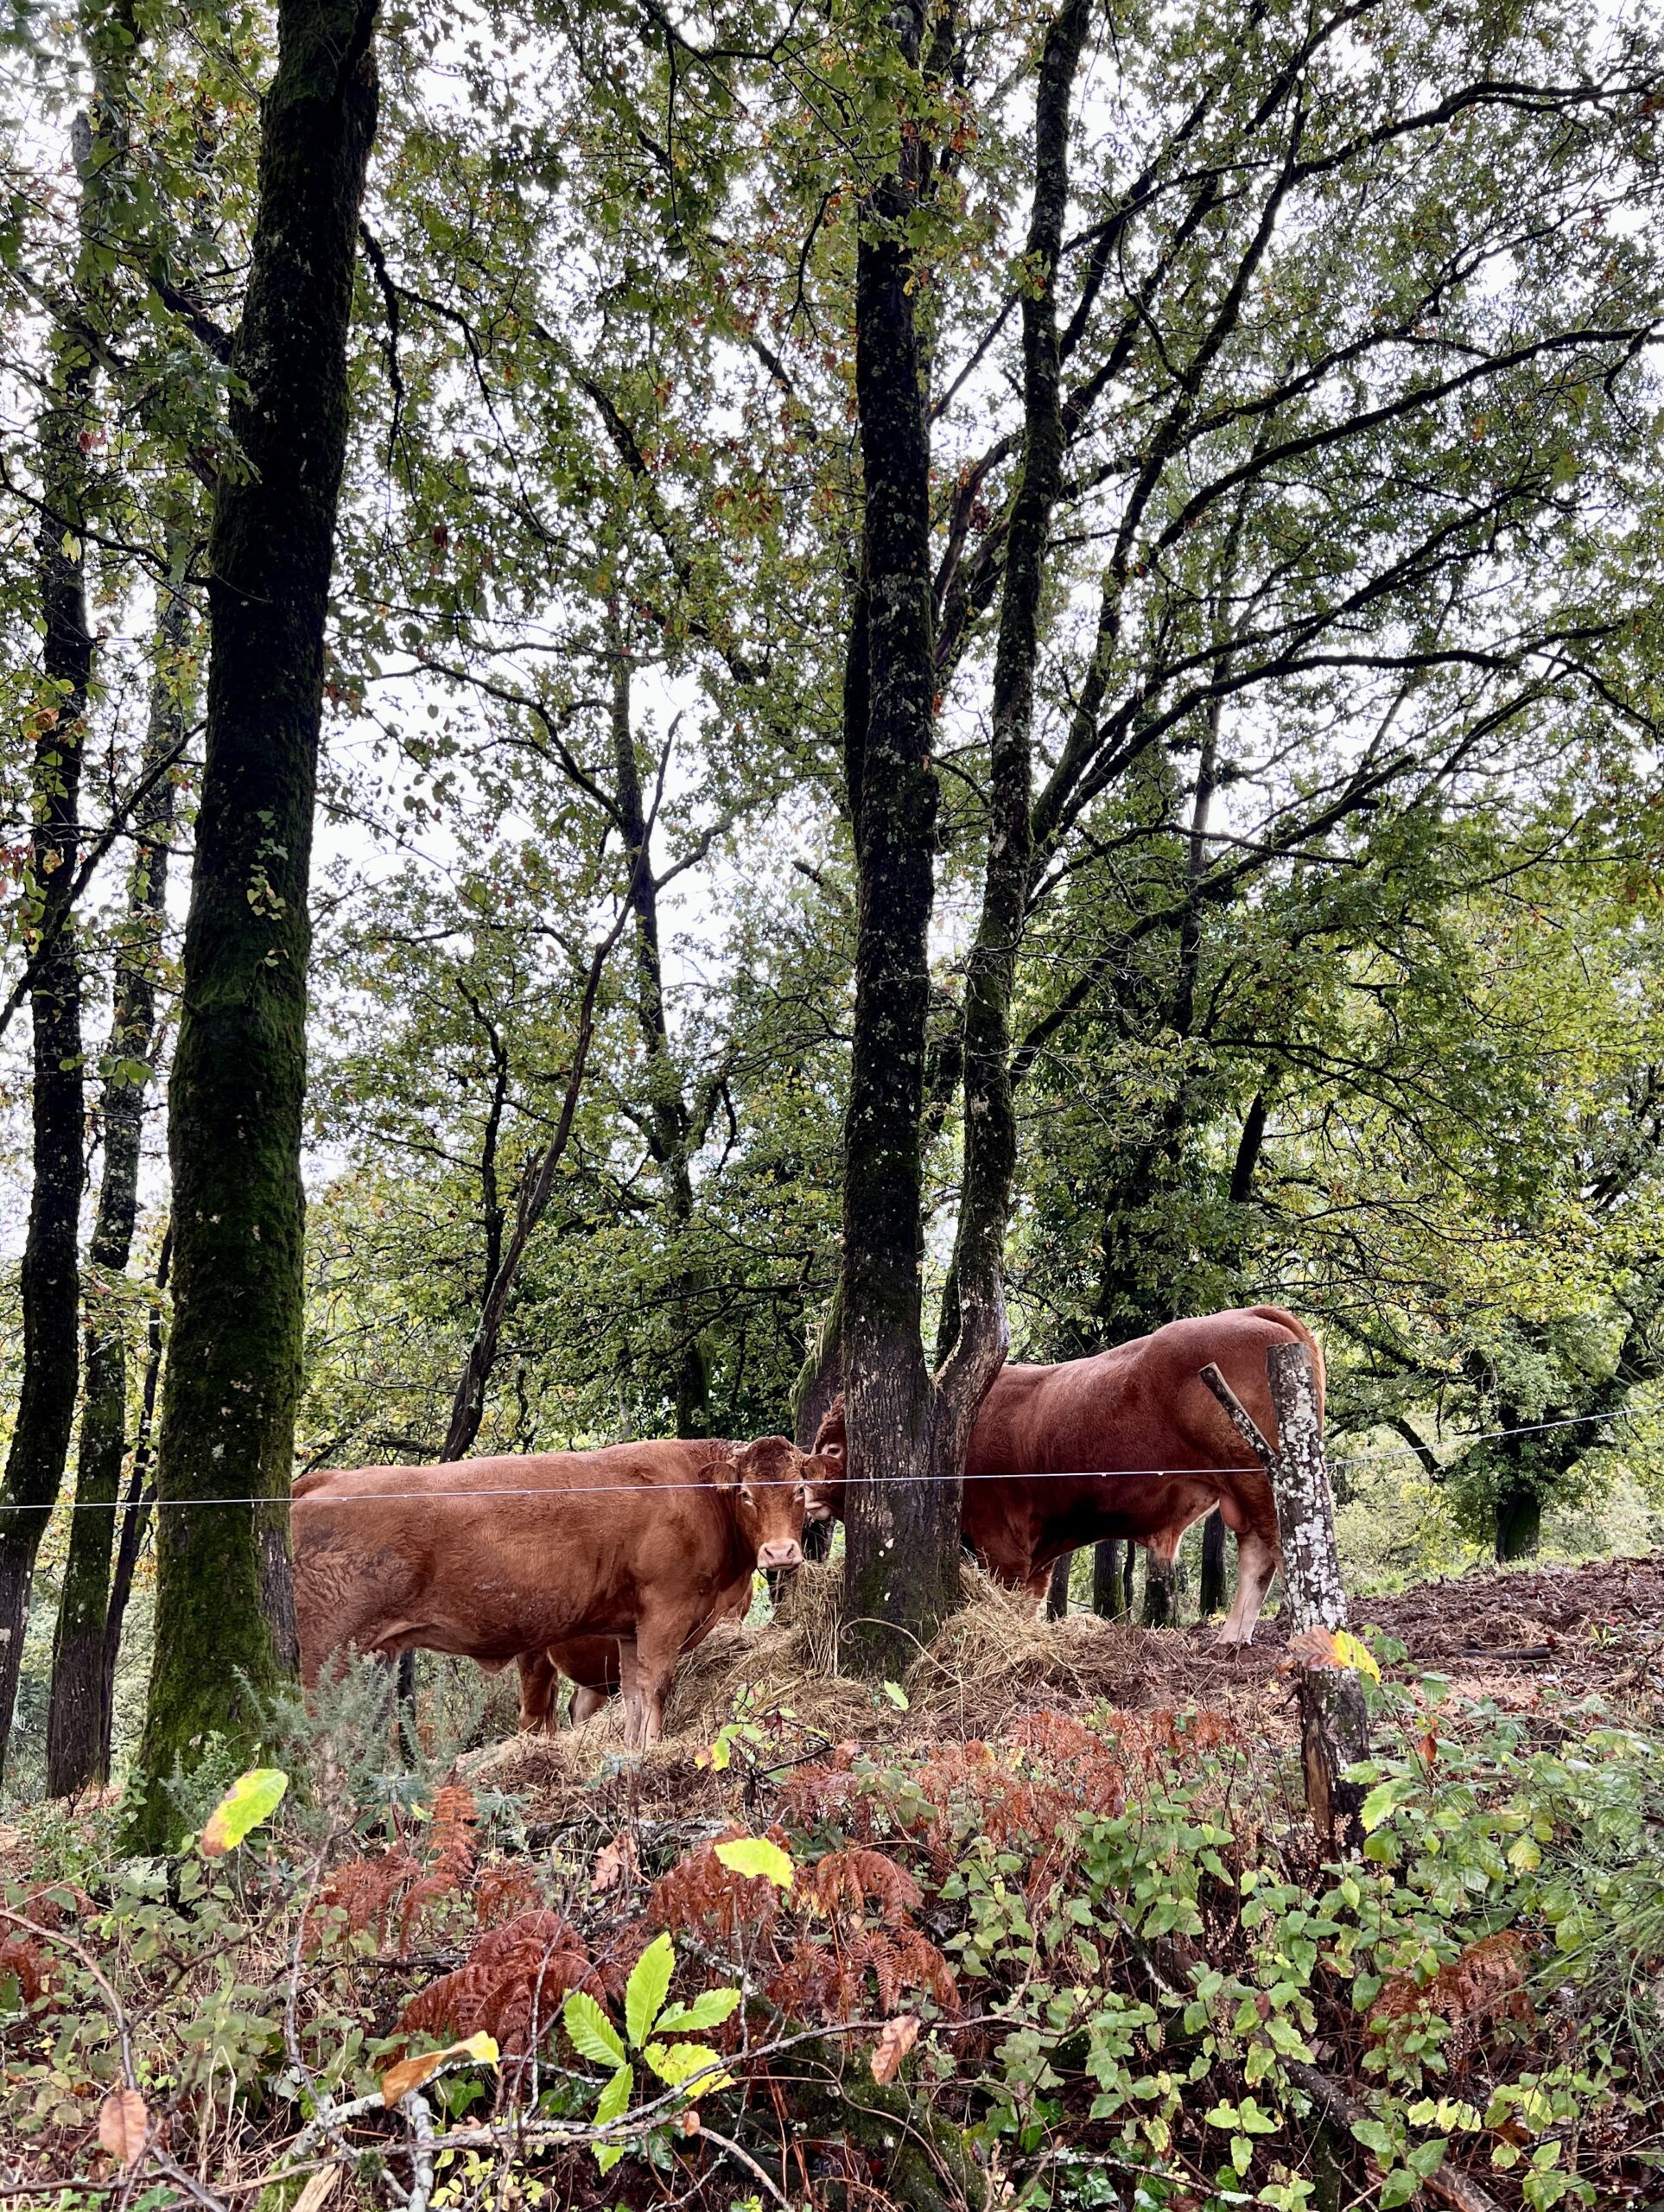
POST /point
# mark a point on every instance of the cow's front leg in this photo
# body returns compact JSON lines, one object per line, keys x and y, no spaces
{"x":659,"y":1638}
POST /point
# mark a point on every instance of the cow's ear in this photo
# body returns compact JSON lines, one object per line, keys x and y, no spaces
{"x":722,"y":1467}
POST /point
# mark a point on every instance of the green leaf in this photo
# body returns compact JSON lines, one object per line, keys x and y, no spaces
{"x":592,"y":2034}
{"x":615,"y":2099}
{"x":675,"y":2063}
{"x":1399,"y":2187}
{"x":709,"y":2009}
{"x":1384,"y":1797}
{"x":647,"y":1988}
{"x":898,"y":1696}
{"x":253,"y":1797}
{"x":756,"y":1856}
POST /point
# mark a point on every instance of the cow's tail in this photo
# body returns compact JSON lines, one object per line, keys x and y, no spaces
{"x":1297,"y":1328}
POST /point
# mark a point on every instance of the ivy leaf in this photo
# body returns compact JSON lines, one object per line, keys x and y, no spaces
{"x":648,"y":1986}
{"x":592,"y":2034}
{"x":253,"y":1797}
{"x":754,"y":1855}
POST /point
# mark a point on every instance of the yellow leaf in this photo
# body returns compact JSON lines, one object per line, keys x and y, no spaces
{"x":253,"y":1797}
{"x":754,"y":1855}
{"x":124,"y":2123}
{"x":411,"y":2073}
{"x":1333,"y":1647}
{"x":1351,"y":1651}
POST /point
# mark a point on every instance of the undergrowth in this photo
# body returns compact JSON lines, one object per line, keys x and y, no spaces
{"x":1100,"y":1962}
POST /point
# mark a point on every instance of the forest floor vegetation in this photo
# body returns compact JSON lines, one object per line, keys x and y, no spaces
{"x":1042,"y":1924}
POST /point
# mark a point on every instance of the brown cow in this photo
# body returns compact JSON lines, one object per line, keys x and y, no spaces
{"x":491,"y":1558}
{"x":1107,"y":1422}
{"x":591,"y":1664}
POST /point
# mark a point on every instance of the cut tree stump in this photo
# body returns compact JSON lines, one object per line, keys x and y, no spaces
{"x":1333,"y":1719}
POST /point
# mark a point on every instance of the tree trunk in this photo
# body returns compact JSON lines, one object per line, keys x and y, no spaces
{"x":901,"y":1534}
{"x":902,"y":1539}
{"x":141,"y":1495}
{"x":670,"y":1120}
{"x":1519,"y":1519}
{"x":1334,"y":1718}
{"x":50,"y":1276}
{"x":75,"y":1721}
{"x":1111,"y":1597}
{"x":224,"y":1604}
{"x":1160,"y":1607}
{"x":1213,"y":1593}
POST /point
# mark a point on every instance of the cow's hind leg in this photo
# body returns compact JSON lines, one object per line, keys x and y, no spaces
{"x":1256,"y":1563}
{"x":587,"y":1701}
{"x":539,"y":1692}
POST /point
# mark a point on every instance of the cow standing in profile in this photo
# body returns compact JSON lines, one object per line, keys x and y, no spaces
{"x":1130,"y":1443}
{"x":492,"y":1558}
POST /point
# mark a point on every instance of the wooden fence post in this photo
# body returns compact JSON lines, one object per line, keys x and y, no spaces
{"x":1334,"y":1722}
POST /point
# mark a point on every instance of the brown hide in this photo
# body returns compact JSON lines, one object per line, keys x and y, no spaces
{"x":1060,"y":1456}
{"x":491,"y":1558}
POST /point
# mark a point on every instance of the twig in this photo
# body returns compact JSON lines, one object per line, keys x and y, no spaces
{"x":1444,"y":2183}
{"x":734,"y":2149}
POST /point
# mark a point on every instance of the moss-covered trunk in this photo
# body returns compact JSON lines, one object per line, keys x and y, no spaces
{"x":50,"y":1280}
{"x":1213,"y":1592}
{"x":901,"y":1527}
{"x":1112,"y":1589}
{"x":225,"y":1609}
{"x":76,"y":1733}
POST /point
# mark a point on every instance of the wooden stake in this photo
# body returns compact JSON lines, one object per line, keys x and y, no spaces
{"x":1333,"y":1723}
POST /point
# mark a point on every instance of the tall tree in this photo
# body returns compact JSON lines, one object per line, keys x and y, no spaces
{"x":51,"y":1271}
{"x":225,"y":1609}
{"x":77,"y":1724}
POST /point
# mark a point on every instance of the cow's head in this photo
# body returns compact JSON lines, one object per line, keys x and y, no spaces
{"x":827,"y":1468}
{"x":771,"y":1480}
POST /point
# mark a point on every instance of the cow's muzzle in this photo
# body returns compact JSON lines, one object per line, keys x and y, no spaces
{"x":788,"y":1554}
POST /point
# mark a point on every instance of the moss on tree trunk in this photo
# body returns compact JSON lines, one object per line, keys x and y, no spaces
{"x":225,"y":1609}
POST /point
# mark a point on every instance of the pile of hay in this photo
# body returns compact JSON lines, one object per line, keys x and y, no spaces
{"x":992,"y":1660}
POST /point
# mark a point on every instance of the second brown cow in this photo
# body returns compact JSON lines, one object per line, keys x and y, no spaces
{"x":1130,"y":1443}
